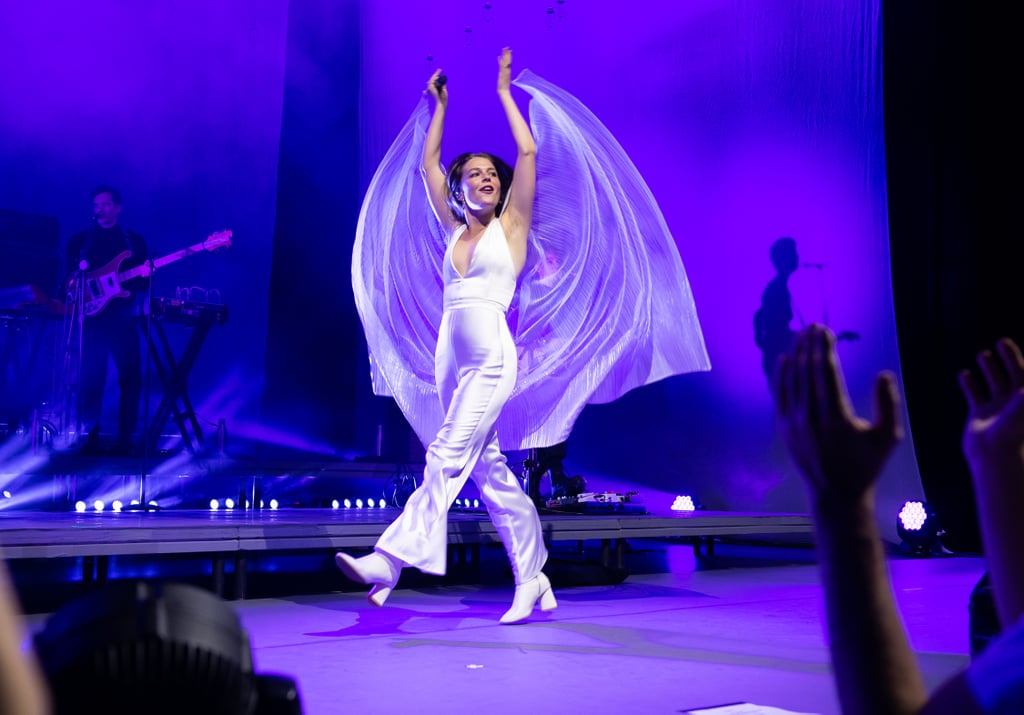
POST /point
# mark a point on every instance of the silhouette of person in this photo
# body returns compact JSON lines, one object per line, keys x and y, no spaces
{"x":772,"y":332}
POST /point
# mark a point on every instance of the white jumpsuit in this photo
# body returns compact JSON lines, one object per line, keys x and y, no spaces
{"x":475,"y":367}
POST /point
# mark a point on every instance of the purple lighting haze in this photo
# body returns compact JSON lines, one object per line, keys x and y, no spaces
{"x":748,"y":120}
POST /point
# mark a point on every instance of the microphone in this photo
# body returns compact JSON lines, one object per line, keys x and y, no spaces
{"x":440,"y":82}
{"x":816,"y":266}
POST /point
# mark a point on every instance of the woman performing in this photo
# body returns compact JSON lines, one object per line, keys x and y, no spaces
{"x":486,"y":208}
{"x":603,"y":305}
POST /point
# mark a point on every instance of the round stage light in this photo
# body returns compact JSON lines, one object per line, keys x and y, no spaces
{"x":7,"y":494}
{"x":335,"y":504}
{"x":229,"y":503}
{"x":117,"y":505}
{"x":359,"y":503}
{"x":918,"y":527}
{"x":476,"y":503}
{"x":348,"y":503}
{"x":371,"y":503}
{"x":80,"y":506}
{"x":117,"y":648}
{"x":214,"y":505}
{"x":98,"y":505}
{"x":685,"y":502}
{"x":273,"y":503}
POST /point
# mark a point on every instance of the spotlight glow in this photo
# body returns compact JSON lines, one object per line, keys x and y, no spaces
{"x":684,"y":503}
{"x":229,"y":503}
{"x":116,"y":505}
{"x":7,"y":494}
{"x":476,"y":503}
{"x":359,"y":503}
{"x":347,"y":503}
{"x":98,"y":505}
{"x":913,"y":515}
{"x":214,"y":505}
{"x":335,"y":504}
{"x":273,"y":503}
{"x":80,"y":506}
{"x":371,"y":503}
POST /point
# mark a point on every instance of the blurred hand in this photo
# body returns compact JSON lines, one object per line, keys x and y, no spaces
{"x":505,"y":70}
{"x":839,"y":453}
{"x":994,"y":433}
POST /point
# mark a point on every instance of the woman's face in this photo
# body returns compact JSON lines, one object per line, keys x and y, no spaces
{"x":481,"y":187}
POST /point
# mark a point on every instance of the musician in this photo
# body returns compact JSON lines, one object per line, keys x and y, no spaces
{"x":113,"y":332}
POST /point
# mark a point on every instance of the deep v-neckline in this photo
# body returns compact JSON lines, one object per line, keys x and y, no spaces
{"x":472,"y":253}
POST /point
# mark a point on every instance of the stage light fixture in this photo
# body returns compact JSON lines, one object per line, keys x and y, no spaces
{"x":476,"y":503}
{"x":156,"y":648}
{"x":134,"y":502}
{"x":214,"y":505}
{"x":685,"y":502}
{"x":80,"y":506}
{"x":7,"y":494}
{"x":98,"y":505}
{"x":229,"y":503}
{"x":152,"y":502}
{"x":359,"y":503}
{"x":273,"y":503}
{"x":348,"y":503}
{"x":117,"y":505}
{"x":918,"y":527}
{"x":370,"y":503}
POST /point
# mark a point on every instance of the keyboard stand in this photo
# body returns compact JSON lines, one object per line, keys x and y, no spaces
{"x":173,"y":375}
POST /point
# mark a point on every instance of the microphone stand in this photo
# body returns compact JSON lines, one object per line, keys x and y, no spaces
{"x":71,"y":372}
{"x":144,"y":475}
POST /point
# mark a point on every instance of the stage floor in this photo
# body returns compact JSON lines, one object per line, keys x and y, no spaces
{"x":747,"y":626}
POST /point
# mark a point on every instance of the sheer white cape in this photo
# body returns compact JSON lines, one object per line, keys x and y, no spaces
{"x":603,"y":305}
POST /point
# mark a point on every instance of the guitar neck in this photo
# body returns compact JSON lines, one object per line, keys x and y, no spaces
{"x":146,"y":268}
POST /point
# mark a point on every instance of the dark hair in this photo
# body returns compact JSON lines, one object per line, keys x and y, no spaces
{"x":453,"y":178}
{"x":115,"y":195}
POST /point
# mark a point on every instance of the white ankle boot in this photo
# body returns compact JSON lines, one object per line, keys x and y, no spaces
{"x":379,"y":569}
{"x":527,"y":595}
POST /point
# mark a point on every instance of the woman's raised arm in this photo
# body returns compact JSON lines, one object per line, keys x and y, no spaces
{"x":433,"y":175}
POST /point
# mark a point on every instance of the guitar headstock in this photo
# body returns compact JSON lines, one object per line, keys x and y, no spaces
{"x":220,"y":239}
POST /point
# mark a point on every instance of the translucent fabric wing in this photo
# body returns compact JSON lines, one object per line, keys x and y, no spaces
{"x":396,"y":278}
{"x":603,"y":305}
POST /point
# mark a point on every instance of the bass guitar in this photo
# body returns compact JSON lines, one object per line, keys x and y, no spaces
{"x":105,"y":284}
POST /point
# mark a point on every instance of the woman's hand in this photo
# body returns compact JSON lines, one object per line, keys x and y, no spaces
{"x":438,"y":89}
{"x":505,"y":71}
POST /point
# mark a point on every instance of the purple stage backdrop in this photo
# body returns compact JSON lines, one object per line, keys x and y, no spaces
{"x":179,"y":106}
{"x":749,"y":120}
